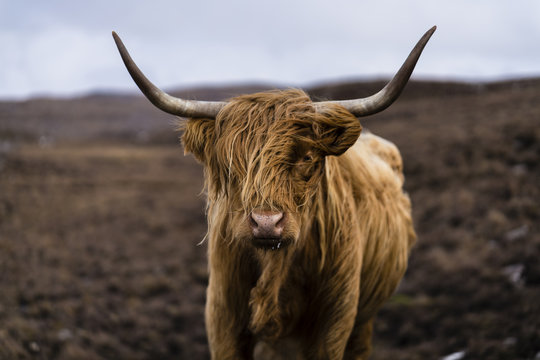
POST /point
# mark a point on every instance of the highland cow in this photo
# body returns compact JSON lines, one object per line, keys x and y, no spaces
{"x":309,"y":229}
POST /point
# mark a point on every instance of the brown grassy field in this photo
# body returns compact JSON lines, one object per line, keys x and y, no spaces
{"x":102,"y":218}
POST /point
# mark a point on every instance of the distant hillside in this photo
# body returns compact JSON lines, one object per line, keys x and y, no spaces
{"x":134,"y":119}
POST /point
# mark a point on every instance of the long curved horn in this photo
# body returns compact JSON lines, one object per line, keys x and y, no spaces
{"x":385,"y":97}
{"x":162,"y":100}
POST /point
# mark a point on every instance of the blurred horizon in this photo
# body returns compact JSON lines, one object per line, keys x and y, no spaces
{"x":220,"y":91}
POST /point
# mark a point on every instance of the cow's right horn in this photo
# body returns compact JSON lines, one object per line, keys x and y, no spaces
{"x":384,"y":98}
{"x":162,"y":100}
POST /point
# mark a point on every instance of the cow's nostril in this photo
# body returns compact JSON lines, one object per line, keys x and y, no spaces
{"x":252,"y":221}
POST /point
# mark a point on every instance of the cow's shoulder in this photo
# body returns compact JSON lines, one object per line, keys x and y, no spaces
{"x":372,"y":147}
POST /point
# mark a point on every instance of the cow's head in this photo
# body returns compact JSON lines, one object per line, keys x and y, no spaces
{"x":265,"y":153}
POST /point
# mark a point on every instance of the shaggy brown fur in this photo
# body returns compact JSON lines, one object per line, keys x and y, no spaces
{"x":348,"y":224}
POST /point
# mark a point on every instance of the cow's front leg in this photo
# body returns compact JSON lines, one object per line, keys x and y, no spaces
{"x":359,"y":346}
{"x":226,"y":327}
{"x":335,"y":312}
{"x":227,"y":306}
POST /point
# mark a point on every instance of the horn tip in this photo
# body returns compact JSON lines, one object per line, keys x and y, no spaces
{"x":427,"y":35}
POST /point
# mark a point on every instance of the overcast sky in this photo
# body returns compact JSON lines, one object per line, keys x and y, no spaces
{"x":64,"y":47}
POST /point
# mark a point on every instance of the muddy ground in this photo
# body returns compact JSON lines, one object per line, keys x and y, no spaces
{"x":101,"y":220}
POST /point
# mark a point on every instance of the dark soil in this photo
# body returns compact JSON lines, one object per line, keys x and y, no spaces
{"x":101,"y":220}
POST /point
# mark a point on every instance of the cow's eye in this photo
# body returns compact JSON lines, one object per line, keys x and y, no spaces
{"x":308,"y":158}
{"x":306,"y":165}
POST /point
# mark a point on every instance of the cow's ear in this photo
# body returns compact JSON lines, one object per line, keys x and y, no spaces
{"x":336,"y":130}
{"x":198,"y":137}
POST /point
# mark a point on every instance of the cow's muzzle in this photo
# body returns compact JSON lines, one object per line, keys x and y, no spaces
{"x":267,"y":229}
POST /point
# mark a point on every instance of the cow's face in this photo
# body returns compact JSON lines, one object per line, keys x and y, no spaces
{"x":265,"y":155}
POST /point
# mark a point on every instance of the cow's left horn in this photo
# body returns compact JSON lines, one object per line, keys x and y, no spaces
{"x":162,"y":100}
{"x":385,"y":97}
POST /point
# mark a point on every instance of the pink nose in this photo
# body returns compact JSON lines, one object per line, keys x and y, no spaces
{"x":267,"y":224}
